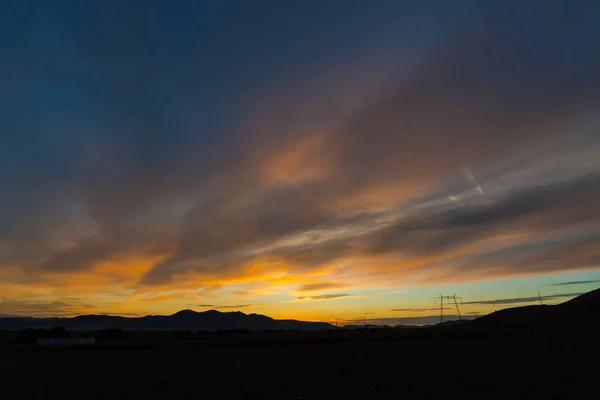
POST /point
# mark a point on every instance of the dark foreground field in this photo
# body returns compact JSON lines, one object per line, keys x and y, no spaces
{"x":292,"y":366}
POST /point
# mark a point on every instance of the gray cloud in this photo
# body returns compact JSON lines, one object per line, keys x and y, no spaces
{"x":333,"y":296}
{"x":475,"y":99}
{"x":573,"y":283}
{"x":42,"y":308}
{"x":537,"y":208}
{"x":324,"y":296}
{"x":522,"y":299}
{"x":311,"y":287}
{"x":566,"y":250}
{"x":436,"y":230}
{"x":447,"y":88}
{"x":226,"y":231}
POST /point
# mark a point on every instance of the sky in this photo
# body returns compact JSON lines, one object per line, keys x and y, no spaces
{"x":315,"y":160}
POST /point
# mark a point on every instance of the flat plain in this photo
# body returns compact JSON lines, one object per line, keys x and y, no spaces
{"x":428,"y":364}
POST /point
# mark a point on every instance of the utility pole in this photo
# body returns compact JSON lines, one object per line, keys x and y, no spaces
{"x":441,"y":299}
{"x":540,"y":298}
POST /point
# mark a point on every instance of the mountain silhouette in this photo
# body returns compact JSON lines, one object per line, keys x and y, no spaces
{"x":583,"y":309}
{"x":182,"y":320}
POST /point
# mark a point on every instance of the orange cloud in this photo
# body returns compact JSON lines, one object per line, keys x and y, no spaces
{"x":313,"y":287}
{"x":299,"y":161}
{"x":332,"y":296}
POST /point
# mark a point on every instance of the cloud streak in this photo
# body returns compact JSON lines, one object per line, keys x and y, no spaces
{"x":573,"y":283}
{"x":521,"y":299}
{"x":332,"y":296}
{"x":312,"y":287}
{"x":26,"y":307}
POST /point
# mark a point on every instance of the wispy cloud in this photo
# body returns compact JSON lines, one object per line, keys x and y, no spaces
{"x":125,"y":314}
{"x":518,"y":300}
{"x":47,"y":309}
{"x":573,"y":283}
{"x":312,"y":287}
{"x":324,"y":297}
{"x":333,"y":296}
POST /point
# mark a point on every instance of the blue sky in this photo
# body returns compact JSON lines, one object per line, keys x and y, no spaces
{"x":300,"y":159}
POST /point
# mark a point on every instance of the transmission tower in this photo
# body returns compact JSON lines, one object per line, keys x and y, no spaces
{"x":540,"y":298}
{"x":449,"y":300}
{"x":361,"y":321}
{"x":456,"y":305}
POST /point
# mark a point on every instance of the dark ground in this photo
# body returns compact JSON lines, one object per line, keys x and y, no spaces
{"x":330,"y":365}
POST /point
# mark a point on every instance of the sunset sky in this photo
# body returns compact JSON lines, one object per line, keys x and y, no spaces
{"x":298,"y":159}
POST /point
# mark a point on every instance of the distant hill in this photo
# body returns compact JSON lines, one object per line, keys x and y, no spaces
{"x":453,"y":322}
{"x":182,"y":320}
{"x":583,"y":309}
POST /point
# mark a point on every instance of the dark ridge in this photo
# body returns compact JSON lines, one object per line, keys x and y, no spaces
{"x":582,"y":310}
{"x":185,"y":320}
{"x":186,"y":313}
